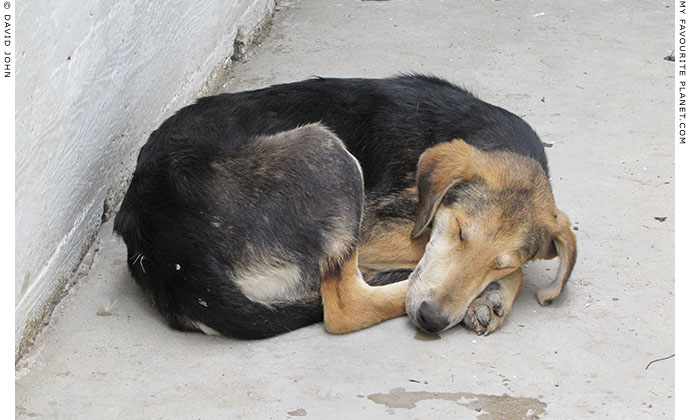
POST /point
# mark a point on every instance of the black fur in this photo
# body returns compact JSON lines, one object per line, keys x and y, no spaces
{"x":203,"y":168}
{"x":196,"y":215}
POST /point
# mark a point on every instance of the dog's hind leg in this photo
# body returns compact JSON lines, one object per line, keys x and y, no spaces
{"x":385,"y":244}
{"x":390,"y":248}
{"x":487,"y":312}
{"x":350,"y":304}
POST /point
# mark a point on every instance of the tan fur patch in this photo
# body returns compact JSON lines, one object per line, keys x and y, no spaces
{"x":439,"y":168}
{"x":391,"y":248}
{"x":269,"y":279}
{"x":350,"y":304}
{"x":566,"y":247}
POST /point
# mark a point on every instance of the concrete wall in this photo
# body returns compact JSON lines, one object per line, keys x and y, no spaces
{"x":94,"y":78}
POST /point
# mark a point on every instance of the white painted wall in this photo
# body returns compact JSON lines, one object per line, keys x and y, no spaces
{"x":94,"y":78}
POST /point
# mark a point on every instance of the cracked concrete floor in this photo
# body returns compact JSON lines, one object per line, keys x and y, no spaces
{"x":590,"y":77}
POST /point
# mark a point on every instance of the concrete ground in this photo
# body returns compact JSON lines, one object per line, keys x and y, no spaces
{"x":590,"y":77}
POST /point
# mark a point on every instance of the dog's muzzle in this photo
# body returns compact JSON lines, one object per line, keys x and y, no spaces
{"x":430,"y":318}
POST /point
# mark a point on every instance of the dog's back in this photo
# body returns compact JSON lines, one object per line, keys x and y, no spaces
{"x":385,"y":123}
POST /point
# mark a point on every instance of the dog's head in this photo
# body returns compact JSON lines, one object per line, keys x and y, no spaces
{"x":489,"y":213}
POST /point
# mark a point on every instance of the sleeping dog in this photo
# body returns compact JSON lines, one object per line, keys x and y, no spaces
{"x":350,"y":201}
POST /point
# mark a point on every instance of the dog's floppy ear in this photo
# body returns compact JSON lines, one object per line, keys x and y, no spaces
{"x":560,"y":242}
{"x":439,"y":168}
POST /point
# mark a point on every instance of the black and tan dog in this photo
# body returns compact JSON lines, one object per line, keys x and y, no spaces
{"x":345,"y":200}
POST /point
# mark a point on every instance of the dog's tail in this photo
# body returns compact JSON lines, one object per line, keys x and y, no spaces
{"x":245,"y":319}
{"x":197,"y":295}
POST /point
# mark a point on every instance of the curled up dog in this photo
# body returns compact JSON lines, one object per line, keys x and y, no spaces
{"x":350,"y":201}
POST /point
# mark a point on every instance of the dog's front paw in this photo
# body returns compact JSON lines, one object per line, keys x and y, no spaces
{"x":486,"y":312}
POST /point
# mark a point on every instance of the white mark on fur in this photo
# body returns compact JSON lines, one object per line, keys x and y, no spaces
{"x":203,"y":303}
{"x":272,"y":280}
{"x":204,"y":328}
{"x":178,"y":267}
{"x":433,"y":269}
{"x":200,"y":326}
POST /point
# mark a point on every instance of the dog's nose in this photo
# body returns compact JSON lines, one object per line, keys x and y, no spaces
{"x":430,"y":319}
